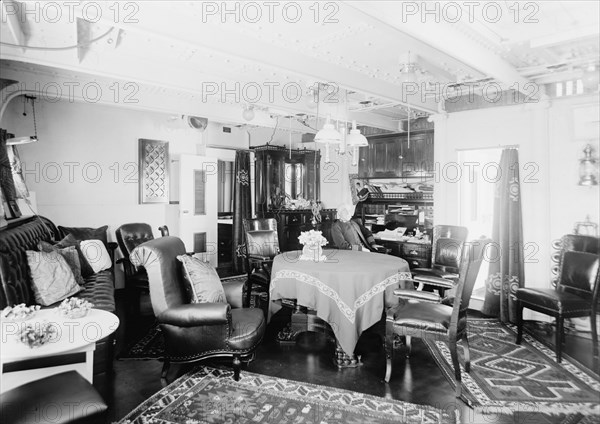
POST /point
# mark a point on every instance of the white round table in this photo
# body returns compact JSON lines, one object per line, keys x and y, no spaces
{"x":72,"y":336}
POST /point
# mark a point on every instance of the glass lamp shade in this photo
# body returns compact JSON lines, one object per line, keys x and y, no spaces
{"x":328,"y":135}
{"x":355,"y":140}
{"x":588,"y":168}
{"x":248,"y":114}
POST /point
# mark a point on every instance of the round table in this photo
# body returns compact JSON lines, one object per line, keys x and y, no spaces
{"x":72,"y":336}
{"x":348,"y":290}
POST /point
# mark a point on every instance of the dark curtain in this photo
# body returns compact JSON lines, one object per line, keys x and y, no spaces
{"x":242,"y":207}
{"x":506,"y":272}
{"x":7,"y":183}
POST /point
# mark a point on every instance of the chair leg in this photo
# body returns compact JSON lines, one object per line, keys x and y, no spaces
{"x":456,"y":364}
{"x":408,"y":346}
{"x":559,"y":338}
{"x":237,"y":364}
{"x":164,"y":372}
{"x":467,"y":352}
{"x":248,"y":291}
{"x":519,"y":306}
{"x":594,"y":332}
{"x":388,"y":344}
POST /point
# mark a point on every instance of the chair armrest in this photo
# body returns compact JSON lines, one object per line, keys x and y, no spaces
{"x":259,"y":258}
{"x":128,"y":267}
{"x":196,"y":314}
{"x":234,"y":292}
{"x":417,"y":295}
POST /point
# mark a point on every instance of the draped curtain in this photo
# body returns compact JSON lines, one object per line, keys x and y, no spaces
{"x":242,"y":207}
{"x":7,"y":182}
{"x":506,"y":271}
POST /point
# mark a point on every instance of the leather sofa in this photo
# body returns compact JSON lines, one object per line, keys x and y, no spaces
{"x":24,"y":234}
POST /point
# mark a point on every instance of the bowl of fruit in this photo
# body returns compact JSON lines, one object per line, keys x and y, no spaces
{"x":74,"y":307}
{"x":19,"y":312}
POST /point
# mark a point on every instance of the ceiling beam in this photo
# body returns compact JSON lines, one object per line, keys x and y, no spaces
{"x":447,"y":39}
{"x":10,"y":13}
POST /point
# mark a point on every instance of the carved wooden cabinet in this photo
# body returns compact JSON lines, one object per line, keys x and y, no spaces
{"x":290,"y":223}
{"x":281,"y":172}
{"x":418,"y":255}
{"x":397,"y":155}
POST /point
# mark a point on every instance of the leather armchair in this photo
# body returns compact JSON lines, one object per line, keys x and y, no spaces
{"x":262,"y":245}
{"x":129,"y":236}
{"x":576,"y":293}
{"x":196,"y":331}
{"x":448,"y":241}
{"x":429,"y":316}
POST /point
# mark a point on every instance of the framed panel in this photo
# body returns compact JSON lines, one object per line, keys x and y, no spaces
{"x":153,"y":171}
{"x":199,"y":192}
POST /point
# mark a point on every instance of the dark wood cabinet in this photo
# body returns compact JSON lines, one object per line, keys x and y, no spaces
{"x":397,"y":155}
{"x":224,"y":237}
{"x":418,"y":255}
{"x":290,"y":223}
{"x":281,"y":173}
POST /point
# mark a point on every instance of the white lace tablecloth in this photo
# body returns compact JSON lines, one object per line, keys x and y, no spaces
{"x":348,"y":290}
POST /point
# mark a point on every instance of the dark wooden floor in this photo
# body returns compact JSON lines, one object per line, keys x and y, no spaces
{"x":417,"y":380}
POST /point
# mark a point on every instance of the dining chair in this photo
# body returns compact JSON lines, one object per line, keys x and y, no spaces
{"x":576,"y":292}
{"x":446,"y":252}
{"x":429,"y":316}
{"x":261,"y":246}
{"x":129,"y":236}
{"x":164,"y":231}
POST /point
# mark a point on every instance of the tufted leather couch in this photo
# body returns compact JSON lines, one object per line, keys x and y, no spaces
{"x":24,"y":234}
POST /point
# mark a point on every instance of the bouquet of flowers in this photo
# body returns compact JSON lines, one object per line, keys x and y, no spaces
{"x":19,"y":312}
{"x":38,"y":334}
{"x":313,"y":242}
{"x":74,"y":307}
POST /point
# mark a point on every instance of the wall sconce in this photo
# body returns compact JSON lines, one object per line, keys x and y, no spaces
{"x":14,"y":141}
{"x":588,"y":168}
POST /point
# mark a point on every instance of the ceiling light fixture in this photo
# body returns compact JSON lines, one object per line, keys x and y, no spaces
{"x":355,"y":140}
{"x":328,"y":135}
{"x":588,"y":168}
{"x":408,"y":71}
{"x":26,"y":139}
{"x":248,"y":113}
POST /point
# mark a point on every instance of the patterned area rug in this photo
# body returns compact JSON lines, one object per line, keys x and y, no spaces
{"x":209,"y":395}
{"x":506,"y":377}
{"x":152,"y":345}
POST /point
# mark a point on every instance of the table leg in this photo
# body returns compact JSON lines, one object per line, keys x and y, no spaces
{"x":343,"y":360}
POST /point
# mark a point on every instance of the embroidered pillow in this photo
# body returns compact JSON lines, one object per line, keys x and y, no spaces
{"x":202,"y":281}
{"x":52,"y":278}
{"x":70,"y":240}
{"x":96,"y":254}
{"x":71,"y":256}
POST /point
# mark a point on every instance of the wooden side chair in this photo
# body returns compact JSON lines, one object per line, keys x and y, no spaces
{"x":428,"y":316}
{"x":576,"y":293}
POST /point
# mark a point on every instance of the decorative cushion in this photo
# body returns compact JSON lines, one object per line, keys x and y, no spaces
{"x":96,"y":254}
{"x":86,"y":233}
{"x":70,"y":240}
{"x":202,"y":281}
{"x":52,"y":278}
{"x":71,"y":256}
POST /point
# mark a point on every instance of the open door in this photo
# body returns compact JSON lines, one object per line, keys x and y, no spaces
{"x":198,"y":206}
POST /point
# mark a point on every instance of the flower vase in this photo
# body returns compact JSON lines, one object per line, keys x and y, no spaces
{"x":312,"y":252}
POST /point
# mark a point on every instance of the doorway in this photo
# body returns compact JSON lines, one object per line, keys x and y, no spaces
{"x":476,"y":202}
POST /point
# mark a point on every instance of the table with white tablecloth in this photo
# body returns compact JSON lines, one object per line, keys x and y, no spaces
{"x":348,"y":290}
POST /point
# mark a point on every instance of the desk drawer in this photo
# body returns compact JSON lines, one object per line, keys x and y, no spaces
{"x":294,"y":219}
{"x":417,"y":263}
{"x":415,"y":250}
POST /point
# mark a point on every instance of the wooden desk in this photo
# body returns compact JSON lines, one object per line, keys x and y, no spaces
{"x":73,"y":336}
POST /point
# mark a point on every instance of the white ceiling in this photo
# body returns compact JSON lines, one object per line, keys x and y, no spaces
{"x":182,"y":55}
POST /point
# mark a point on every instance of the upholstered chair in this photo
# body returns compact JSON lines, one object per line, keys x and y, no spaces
{"x":429,"y":316}
{"x":446,"y":255}
{"x":576,"y":292}
{"x":262,"y":245}
{"x":129,"y":236}
{"x":196,"y":331}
